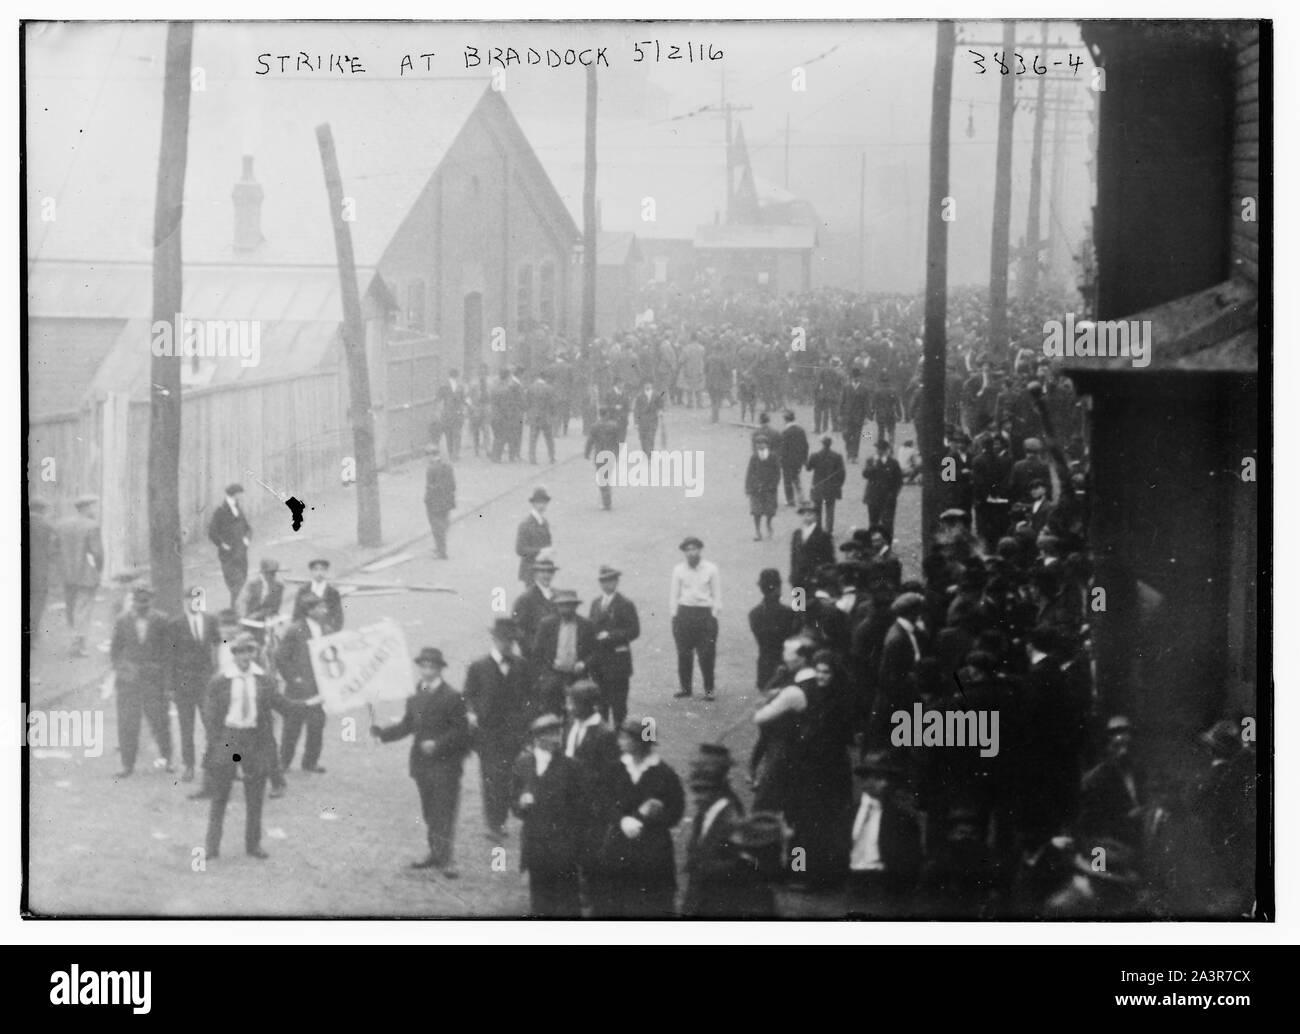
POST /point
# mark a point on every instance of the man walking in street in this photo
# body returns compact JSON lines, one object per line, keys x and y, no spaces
{"x":827,"y":483}
{"x":694,"y":602}
{"x":80,"y":565}
{"x":231,"y":533}
{"x":563,"y":645}
{"x":542,"y":404}
{"x":810,"y":549}
{"x":533,"y":534}
{"x":794,"y":454}
{"x":855,"y":406}
{"x":437,"y":721}
{"x":646,"y":411}
{"x":496,"y":696}
{"x":536,"y":603}
{"x":884,"y":479}
{"x":617,"y":625}
{"x":602,"y":446}
{"x":320,"y":588}
{"x":139,"y":655}
{"x":453,"y":401}
{"x":439,"y":498}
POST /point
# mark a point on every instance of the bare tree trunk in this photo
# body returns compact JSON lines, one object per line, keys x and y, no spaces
{"x":166,"y":563}
{"x":369,"y":527}
{"x":589,"y":220}
{"x":929,"y":429}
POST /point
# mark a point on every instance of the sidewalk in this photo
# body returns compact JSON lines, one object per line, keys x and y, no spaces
{"x":329,"y":530}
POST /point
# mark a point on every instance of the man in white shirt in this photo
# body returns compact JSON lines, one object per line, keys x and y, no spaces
{"x":885,"y":841}
{"x":694,"y":602}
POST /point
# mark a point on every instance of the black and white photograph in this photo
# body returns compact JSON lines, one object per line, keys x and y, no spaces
{"x":648,"y":470}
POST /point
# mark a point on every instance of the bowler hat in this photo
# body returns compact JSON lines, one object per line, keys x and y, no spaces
{"x":540,"y":495}
{"x":505,"y":628}
{"x":563,"y":596}
{"x":234,"y":488}
{"x":690,"y":541}
{"x":908,"y":601}
{"x":320,"y":562}
{"x":607,"y":572}
{"x":431,"y":655}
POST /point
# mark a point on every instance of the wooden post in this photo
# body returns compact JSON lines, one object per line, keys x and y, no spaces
{"x":929,"y":428}
{"x":589,"y":220}
{"x":369,"y":528}
{"x":166,"y":564}
{"x":1000,"y":252}
{"x":1033,"y":233}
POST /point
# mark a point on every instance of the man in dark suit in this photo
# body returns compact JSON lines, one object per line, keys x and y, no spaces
{"x":533,"y":534}
{"x":1028,"y":470}
{"x":193,"y":653}
{"x":602,"y":449}
{"x":620,"y":409}
{"x":497,"y":700}
{"x":542,"y":404}
{"x":437,"y":720}
{"x":439,"y":498}
{"x":617,"y":625}
{"x":991,"y":489}
{"x":237,"y":712}
{"x":453,"y":401}
{"x":231,"y":533}
{"x":827,"y":484}
{"x":265,"y":594}
{"x":956,"y":475}
{"x":719,"y":885}
{"x":320,"y":588}
{"x":898,"y":657}
{"x":546,"y":791}
{"x":771,"y":622}
{"x":793,"y":452}
{"x":536,"y":603}
{"x":645,"y":414}
{"x":562,"y":647}
{"x":855,"y":406}
{"x":139,"y":653}
{"x":882,"y":565}
{"x":884,"y":479}
{"x":293,"y":659}
{"x":888,"y":408}
{"x":810,"y":548}
{"x":589,"y":742}
{"x":885,"y":857}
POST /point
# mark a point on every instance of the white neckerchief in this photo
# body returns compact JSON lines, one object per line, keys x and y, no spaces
{"x":314,"y":629}
{"x":542,"y":759}
{"x":715,"y":809}
{"x":230,"y":501}
{"x":577,"y":730}
{"x":637,"y":770}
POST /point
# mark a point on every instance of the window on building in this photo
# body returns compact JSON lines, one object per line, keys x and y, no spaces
{"x":415,"y":305}
{"x":546,"y":294}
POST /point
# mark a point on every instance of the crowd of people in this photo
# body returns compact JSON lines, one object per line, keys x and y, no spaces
{"x":1050,"y":815}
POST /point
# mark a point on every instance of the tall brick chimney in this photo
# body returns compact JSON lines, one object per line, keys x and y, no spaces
{"x":247,"y":195}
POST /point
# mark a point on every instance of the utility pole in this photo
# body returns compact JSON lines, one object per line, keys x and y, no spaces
{"x":725,"y":110}
{"x":369,"y":528}
{"x":1028,"y":280}
{"x":1001,"y":245}
{"x":935,"y":348}
{"x":862,"y":224}
{"x":1058,"y":255}
{"x":166,"y":565}
{"x":589,"y":234}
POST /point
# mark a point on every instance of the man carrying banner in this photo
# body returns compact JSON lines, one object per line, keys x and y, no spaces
{"x":436,"y":718}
